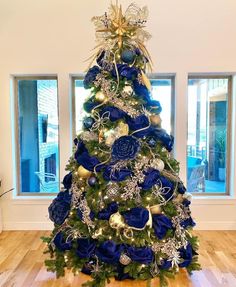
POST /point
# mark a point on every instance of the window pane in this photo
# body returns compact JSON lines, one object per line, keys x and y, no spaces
{"x":80,"y":96}
{"x":207,"y":135}
{"x":38,"y":136}
{"x":162,"y":91}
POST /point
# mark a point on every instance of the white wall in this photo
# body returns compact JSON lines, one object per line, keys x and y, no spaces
{"x":55,"y":36}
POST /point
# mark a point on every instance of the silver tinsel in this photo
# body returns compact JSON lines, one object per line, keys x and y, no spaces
{"x":76,"y":195}
{"x":126,"y":107}
{"x":132,"y":190}
{"x":112,"y":190}
{"x":85,"y":210}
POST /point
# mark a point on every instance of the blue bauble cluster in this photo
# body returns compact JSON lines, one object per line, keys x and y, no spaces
{"x":88,"y":122}
{"x":128,"y":56}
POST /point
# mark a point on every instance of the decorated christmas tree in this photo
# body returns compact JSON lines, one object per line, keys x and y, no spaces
{"x":123,"y":212}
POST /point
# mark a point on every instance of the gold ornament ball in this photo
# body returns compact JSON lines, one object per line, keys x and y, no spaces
{"x":155,"y":120}
{"x":100,"y":97}
{"x":156,"y":209}
{"x":83,"y":172}
{"x":116,"y":221}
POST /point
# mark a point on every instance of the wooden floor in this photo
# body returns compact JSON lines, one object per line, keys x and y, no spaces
{"x":21,"y":263}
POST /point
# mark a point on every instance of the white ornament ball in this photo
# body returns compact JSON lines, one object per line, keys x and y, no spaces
{"x":158,"y":164}
{"x":188,"y":196}
{"x":128,"y":90}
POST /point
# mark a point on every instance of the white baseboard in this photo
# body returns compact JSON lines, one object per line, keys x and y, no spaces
{"x":215,"y":225}
{"x":47,"y":225}
{"x":44,"y":225}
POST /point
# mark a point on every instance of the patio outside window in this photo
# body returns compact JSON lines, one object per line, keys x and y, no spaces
{"x":37,"y":134}
{"x":208,"y":130}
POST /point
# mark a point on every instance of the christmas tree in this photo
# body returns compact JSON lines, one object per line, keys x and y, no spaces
{"x":123,"y":212}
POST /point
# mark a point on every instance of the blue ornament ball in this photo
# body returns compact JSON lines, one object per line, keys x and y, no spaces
{"x":92,"y":180}
{"x":88,"y":122}
{"x":151,"y":142}
{"x":128,"y":56}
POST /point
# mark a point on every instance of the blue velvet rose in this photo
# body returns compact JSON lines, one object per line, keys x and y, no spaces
{"x":91,"y":76}
{"x":83,"y":158}
{"x":181,"y":188}
{"x":109,"y":252}
{"x":145,"y":133}
{"x":136,"y":217}
{"x":167,"y":140}
{"x":125,"y":71}
{"x":81,"y":148}
{"x":165,"y":264}
{"x":115,"y":113}
{"x":161,"y":225}
{"x":105,"y":213}
{"x":60,"y":207}
{"x":159,"y":134}
{"x":125,"y":147}
{"x":186,"y":202}
{"x":86,"y":247}
{"x":141,"y":90}
{"x":143,"y":255}
{"x":154,"y":106}
{"x":151,"y":178}
{"x":186,"y":255}
{"x":188,"y":223}
{"x":60,"y":242}
{"x":89,"y":105}
{"x":121,"y":275}
{"x":88,"y":267}
{"x":117,"y":175}
{"x":138,"y":122}
{"x":67,"y":180}
{"x":88,"y":162}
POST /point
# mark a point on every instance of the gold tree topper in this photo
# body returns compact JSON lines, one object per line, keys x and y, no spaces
{"x":115,"y":29}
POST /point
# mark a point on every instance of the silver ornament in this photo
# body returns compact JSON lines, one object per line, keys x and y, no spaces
{"x":125,"y":259}
{"x":112,"y":190}
{"x":158,"y":164}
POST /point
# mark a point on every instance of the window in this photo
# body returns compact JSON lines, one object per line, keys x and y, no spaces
{"x":80,"y":95}
{"x":208,"y":134}
{"x":37,"y":135}
{"x":163,"y":91}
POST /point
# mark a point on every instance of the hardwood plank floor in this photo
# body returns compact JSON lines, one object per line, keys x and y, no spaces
{"x":21,"y":263}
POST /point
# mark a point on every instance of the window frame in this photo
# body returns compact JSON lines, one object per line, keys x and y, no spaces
{"x":16,"y":79}
{"x":229,"y":77}
{"x":151,"y":76}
